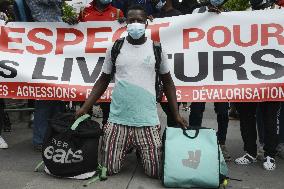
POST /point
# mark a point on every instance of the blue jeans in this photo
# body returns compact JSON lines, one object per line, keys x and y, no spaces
{"x":44,"y":110}
{"x":221,"y":109}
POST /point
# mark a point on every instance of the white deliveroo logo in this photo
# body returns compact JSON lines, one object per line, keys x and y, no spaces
{"x":193,"y":160}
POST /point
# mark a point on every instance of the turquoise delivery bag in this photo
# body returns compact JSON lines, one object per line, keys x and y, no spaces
{"x":192,"y":158}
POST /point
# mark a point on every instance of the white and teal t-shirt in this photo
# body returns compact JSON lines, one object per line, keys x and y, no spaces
{"x":134,"y":96}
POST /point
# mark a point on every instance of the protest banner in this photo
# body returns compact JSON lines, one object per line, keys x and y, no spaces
{"x":234,"y":56}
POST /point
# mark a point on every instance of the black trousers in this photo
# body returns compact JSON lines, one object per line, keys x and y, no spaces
{"x":247,"y":113}
{"x":221,"y":109}
{"x":2,"y":115}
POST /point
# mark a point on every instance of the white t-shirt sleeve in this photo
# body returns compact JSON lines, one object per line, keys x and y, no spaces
{"x":107,"y":66}
{"x":164,"y":67}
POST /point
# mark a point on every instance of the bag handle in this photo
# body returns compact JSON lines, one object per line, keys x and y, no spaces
{"x":79,"y":120}
{"x":191,"y":137}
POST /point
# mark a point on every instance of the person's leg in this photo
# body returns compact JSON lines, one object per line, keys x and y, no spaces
{"x":247,"y":113}
{"x":281,"y":124}
{"x":105,"y":106}
{"x":196,"y":113}
{"x":44,"y":110}
{"x":221,"y":109}
{"x":281,"y":132}
{"x":1,"y":115}
{"x":116,"y":138}
{"x":3,"y":144}
{"x":269,"y":110}
{"x":149,"y":144}
{"x":259,"y":123}
{"x":233,"y":113}
{"x":40,"y":121}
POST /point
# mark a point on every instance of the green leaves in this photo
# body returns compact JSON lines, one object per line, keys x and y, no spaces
{"x":237,"y":5}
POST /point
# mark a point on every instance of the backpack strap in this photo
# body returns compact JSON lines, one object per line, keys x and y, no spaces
{"x":115,"y":52}
{"x":117,"y":14}
{"x":202,"y":9}
{"x":158,"y":57}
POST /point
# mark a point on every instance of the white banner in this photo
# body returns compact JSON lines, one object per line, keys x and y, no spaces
{"x":235,"y":56}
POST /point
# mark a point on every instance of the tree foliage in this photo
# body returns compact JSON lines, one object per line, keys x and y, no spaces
{"x":68,"y":12}
{"x":237,"y":5}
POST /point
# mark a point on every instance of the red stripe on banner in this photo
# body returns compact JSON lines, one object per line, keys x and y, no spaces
{"x":210,"y":93}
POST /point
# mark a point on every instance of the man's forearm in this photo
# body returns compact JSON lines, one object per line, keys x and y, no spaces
{"x":97,"y":91}
{"x":170,"y":92}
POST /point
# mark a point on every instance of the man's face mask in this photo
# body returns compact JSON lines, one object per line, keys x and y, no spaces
{"x":160,"y":4}
{"x":105,"y":1}
{"x":136,"y":30}
{"x":216,"y":3}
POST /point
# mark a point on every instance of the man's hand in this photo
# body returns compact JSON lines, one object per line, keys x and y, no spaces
{"x":80,"y":112}
{"x":181,"y":122}
{"x":151,"y":18}
{"x":214,"y":9}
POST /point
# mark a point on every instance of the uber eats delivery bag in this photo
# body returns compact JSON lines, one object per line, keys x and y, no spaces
{"x":70,"y":147}
{"x":192,"y":158}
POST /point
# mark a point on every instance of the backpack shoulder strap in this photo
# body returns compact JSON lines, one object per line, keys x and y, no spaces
{"x":115,"y":50}
{"x":158,"y":55}
{"x":202,"y":9}
{"x":117,"y":14}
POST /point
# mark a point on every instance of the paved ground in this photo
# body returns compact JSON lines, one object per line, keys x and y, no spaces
{"x":17,"y":164}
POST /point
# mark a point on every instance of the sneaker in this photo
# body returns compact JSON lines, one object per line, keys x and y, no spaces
{"x":3,"y":144}
{"x":280,"y":150}
{"x":245,"y":160}
{"x":269,"y":163}
{"x":225,"y":152}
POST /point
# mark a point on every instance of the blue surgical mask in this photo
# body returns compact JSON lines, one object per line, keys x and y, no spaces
{"x":160,"y":5}
{"x":216,"y":3}
{"x":105,"y":1}
{"x":136,"y":30}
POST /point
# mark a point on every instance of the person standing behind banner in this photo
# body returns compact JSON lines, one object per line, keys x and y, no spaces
{"x":5,"y":14}
{"x":125,"y":4}
{"x":269,"y":117}
{"x":101,"y":10}
{"x":221,"y":108}
{"x":3,"y":144}
{"x":42,"y":11}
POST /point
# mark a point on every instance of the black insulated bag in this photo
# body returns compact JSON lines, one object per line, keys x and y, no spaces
{"x":70,"y":147}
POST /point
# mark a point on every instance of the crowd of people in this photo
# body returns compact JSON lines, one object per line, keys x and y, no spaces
{"x":262,"y":120}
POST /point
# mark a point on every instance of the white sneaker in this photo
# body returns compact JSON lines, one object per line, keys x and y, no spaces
{"x":245,"y":160}
{"x":3,"y":144}
{"x":269,"y":163}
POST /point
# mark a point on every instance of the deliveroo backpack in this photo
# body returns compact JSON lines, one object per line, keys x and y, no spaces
{"x":70,"y":147}
{"x":192,"y":158}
